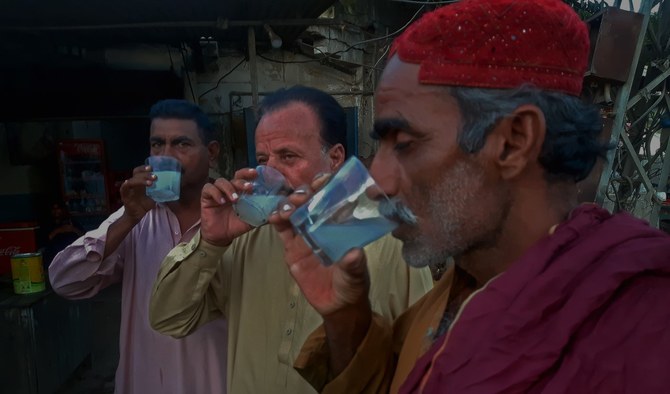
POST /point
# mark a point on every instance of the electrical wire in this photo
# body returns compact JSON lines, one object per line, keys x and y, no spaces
{"x":388,"y":47}
{"x":350,"y":47}
{"x":371,"y":74}
{"x":188,"y":76}
{"x":332,"y":56}
{"x":644,"y":115}
{"x":320,"y":60}
{"x":426,"y":2}
{"x":222,"y":77}
{"x":326,"y":56}
{"x":170,"y":55}
{"x":388,"y":35}
{"x":288,"y":61}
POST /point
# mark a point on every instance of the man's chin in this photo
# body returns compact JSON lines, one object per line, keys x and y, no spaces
{"x":403,"y":232}
{"x":418,"y":254}
{"x":410,"y":253}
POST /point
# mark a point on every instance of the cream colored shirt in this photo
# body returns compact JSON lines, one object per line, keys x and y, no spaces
{"x":387,"y":354}
{"x":268,"y":318}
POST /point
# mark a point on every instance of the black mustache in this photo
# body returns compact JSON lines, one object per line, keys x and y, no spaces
{"x":396,"y":210}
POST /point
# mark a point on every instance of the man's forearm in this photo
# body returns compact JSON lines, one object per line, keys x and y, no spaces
{"x":345,"y":330}
{"x":117,"y":232}
{"x":189,"y":268}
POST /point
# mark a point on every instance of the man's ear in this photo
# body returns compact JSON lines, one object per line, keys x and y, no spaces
{"x":336,"y":156}
{"x":516,"y":141}
{"x":213,"y":149}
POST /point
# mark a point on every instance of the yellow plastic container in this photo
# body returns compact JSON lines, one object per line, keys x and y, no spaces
{"x":28,"y":273}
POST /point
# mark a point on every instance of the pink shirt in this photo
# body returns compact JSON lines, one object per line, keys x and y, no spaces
{"x":149,"y":362}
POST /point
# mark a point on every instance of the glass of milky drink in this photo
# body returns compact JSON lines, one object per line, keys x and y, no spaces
{"x":344,"y":214}
{"x":167,"y":184}
{"x":268,"y":190}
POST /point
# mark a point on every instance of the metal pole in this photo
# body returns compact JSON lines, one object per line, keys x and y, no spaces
{"x":251,"y":37}
{"x":665,"y":172}
{"x":621,"y":106}
{"x":617,"y":4}
{"x":662,"y":183}
{"x":647,"y":89}
{"x":638,"y":164}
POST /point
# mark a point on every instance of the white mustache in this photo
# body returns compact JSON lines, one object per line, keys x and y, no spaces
{"x":395,"y":209}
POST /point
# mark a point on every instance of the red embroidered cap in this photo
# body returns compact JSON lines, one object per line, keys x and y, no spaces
{"x":499,"y":44}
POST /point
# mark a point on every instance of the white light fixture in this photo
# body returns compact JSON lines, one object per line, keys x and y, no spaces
{"x":275,"y":40}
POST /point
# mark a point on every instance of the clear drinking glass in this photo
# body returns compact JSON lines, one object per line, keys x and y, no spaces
{"x":269,"y":189}
{"x":344,"y":214}
{"x":167,"y":185}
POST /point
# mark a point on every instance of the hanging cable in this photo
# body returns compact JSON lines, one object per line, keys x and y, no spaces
{"x":388,"y":35}
{"x":331,"y":56}
{"x":288,"y":61}
{"x":188,"y":76}
{"x":222,"y":77}
{"x":170,"y":55}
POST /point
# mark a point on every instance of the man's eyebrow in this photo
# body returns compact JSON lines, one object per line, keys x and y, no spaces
{"x":284,"y":150}
{"x":157,"y":139}
{"x":181,"y":139}
{"x":384,"y":126}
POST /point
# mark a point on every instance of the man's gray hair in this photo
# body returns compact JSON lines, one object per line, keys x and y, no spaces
{"x":571,"y":145}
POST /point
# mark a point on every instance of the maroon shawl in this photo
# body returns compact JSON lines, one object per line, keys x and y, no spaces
{"x":585,"y":310}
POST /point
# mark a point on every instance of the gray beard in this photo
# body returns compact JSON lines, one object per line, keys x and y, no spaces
{"x":454,"y":230}
{"x":418,"y":255}
{"x":448,"y":203}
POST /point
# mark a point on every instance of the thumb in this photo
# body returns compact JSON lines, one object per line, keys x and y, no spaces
{"x":354,"y":264}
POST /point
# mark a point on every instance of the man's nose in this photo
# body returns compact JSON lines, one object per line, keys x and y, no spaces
{"x":384,"y":171}
{"x":168,"y":150}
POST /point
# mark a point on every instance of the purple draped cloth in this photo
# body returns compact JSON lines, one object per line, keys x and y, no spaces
{"x":585,"y":310}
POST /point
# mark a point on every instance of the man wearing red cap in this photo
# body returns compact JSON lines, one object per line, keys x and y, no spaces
{"x":483,"y":137}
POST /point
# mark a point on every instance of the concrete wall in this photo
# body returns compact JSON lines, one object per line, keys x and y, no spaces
{"x":370,"y":22}
{"x":224,"y":98}
{"x":228,"y":96}
{"x":271,"y":76}
{"x":233,"y":93}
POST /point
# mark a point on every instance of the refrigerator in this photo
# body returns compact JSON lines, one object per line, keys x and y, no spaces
{"x":83,"y":178}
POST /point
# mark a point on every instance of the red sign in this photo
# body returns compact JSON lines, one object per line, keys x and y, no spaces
{"x":14,"y":240}
{"x":79,"y":148}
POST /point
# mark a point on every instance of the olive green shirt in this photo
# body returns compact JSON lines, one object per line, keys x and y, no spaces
{"x":268,"y":318}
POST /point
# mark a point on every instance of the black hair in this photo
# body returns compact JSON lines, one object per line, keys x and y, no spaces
{"x":571,"y":145}
{"x":183,"y":109}
{"x":328,"y":110}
